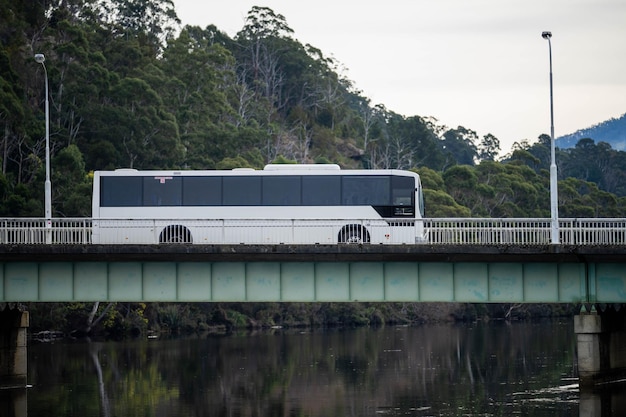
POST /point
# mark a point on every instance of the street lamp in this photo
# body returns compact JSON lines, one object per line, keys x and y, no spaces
{"x":40,"y":58}
{"x":554,"y":203}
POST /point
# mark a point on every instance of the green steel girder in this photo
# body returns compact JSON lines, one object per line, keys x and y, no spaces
{"x":475,"y":282}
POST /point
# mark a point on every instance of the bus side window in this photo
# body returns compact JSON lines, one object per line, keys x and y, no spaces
{"x":120,"y":191}
{"x":366,"y":190}
{"x":321,"y":190}
{"x":202,"y":191}
{"x":242,"y":191}
{"x":281,"y":191}
{"x":162,"y":191}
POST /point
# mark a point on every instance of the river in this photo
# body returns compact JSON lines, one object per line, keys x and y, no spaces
{"x":480,"y":369}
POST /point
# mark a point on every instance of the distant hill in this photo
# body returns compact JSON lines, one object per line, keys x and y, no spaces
{"x":612,"y":131}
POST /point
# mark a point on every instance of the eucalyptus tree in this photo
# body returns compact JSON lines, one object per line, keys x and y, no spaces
{"x":260,"y":75}
{"x":598,"y":163}
{"x":291,"y":90}
{"x":514,"y":190}
{"x":22,"y":97}
{"x":13,"y":112}
{"x":259,"y":41}
{"x":72,"y":186}
{"x":102,"y":101}
{"x":404,"y":142}
{"x":438,"y":203}
{"x":200,"y":84}
{"x":261,"y":28}
{"x":279,"y":67}
{"x":462,"y":184}
{"x":578,"y":198}
{"x":488,"y":148}
{"x":461,"y":144}
{"x":367,"y":119}
{"x":140,"y":127}
{"x":153,"y":21}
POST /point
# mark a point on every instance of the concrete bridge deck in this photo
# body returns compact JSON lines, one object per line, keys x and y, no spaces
{"x":313,"y":253}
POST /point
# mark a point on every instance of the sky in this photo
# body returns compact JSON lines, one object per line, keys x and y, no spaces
{"x":480,"y":64}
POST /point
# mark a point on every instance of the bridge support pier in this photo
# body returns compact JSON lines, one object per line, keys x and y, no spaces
{"x":13,"y":348}
{"x":601,"y":343}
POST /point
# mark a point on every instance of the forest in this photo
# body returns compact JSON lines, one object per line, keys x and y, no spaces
{"x":611,"y":131}
{"x":130,"y":88}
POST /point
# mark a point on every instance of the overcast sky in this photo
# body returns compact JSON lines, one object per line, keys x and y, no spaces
{"x":481,"y":64}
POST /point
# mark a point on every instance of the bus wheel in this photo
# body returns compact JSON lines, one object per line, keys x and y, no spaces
{"x":175,"y":234}
{"x":354,"y":233}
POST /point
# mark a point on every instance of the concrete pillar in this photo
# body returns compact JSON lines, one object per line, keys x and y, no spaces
{"x":13,"y":347}
{"x":601,"y":343}
{"x":13,"y":362}
{"x":603,"y":401}
{"x":14,"y":402}
{"x":590,"y":404}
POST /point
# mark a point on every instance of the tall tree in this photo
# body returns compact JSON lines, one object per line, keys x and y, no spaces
{"x":259,"y":38}
{"x":72,"y":187}
{"x":12,"y":111}
{"x":140,"y":127}
{"x":198,"y":92}
{"x":461,"y":144}
{"x":488,"y":148}
{"x":153,"y":20}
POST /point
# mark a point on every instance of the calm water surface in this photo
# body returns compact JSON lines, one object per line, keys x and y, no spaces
{"x":484,"y":369}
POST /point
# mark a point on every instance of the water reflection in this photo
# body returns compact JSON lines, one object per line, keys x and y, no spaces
{"x":607,"y":401}
{"x":446,"y":370}
{"x":13,"y":402}
{"x":104,"y":399}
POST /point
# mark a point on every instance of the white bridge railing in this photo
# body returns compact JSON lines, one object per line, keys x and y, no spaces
{"x":433,"y":231}
{"x":524,"y":231}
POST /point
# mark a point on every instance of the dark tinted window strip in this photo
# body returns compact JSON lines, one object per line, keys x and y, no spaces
{"x":313,"y":190}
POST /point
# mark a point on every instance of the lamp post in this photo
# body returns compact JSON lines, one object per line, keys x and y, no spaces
{"x":554,"y":203}
{"x":40,"y":58}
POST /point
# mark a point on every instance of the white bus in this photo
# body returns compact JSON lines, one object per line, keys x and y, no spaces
{"x":290,"y":204}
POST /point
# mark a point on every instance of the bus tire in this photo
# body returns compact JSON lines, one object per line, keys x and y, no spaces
{"x":175,"y":234}
{"x":354,"y":233}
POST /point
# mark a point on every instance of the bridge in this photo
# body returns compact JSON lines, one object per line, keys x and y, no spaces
{"x":313,"y":273}
{"x":458,"y":260}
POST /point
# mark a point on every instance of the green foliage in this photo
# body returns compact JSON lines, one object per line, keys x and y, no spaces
{"x":237,"y":319}
{"x":431,"y":179}
{"x":462,"y":184}
{"x":71,"y":183}
{"x":322,"y":160}
{"x":282,"y":160}
{"x":440,"y":204}
{"x":127,"y":319}
{"x":579,"y":198}
{"x":460,"y":144}
{"x":489,"y":148}
{"x":175,"y":318}
{"x":127,"y":90}
{"x":232,"y":163}
{"x":132,"y":319}
{"x":597,"y":163}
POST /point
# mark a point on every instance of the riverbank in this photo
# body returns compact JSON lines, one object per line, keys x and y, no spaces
{"x":119,"y":320}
